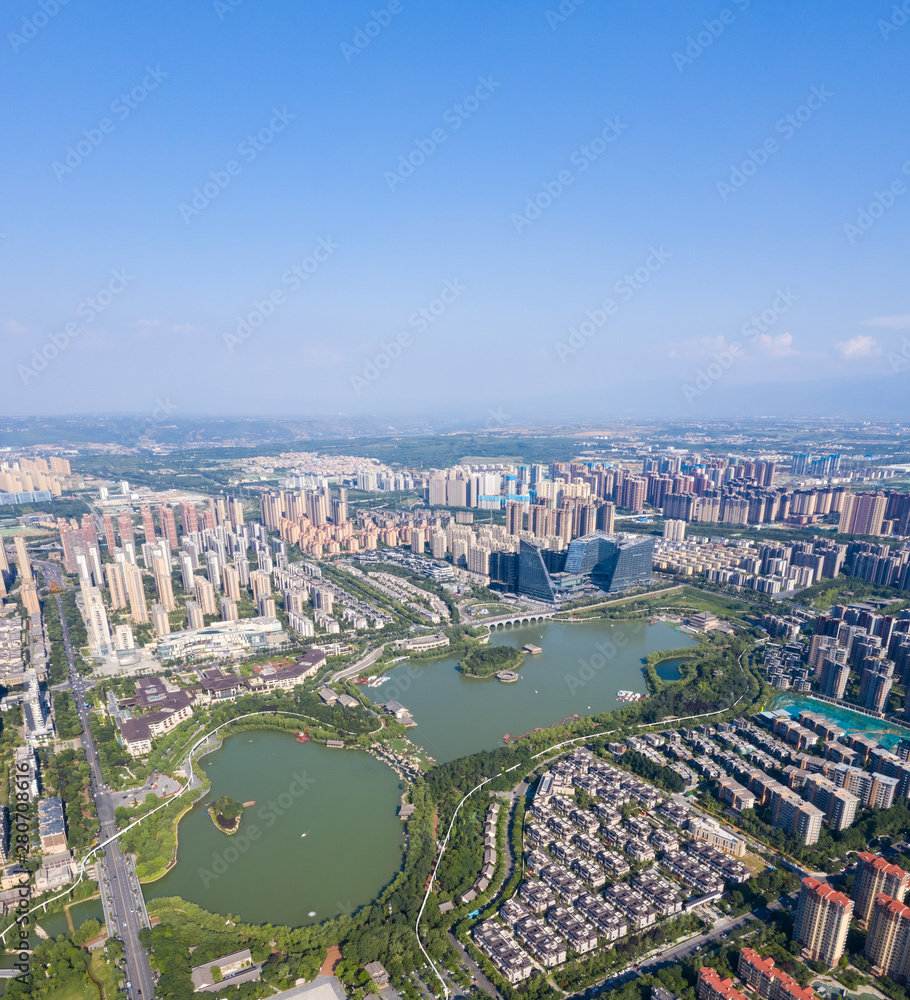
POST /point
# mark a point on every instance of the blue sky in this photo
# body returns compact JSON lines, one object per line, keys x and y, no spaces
{"x":623,"y":126}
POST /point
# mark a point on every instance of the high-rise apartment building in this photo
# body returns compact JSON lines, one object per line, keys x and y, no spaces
{"x":876,"y":876}
{"x":160,"y":621}
{"x":115,"y":585}
{"x":863,"y":513}
{"x":23,"y":566}
{"x":194,"y":617}
{"x":125,"y":526}
{"x":230,"y":580}
{"x":148,"y":523}
{"x":168,"y":525}
{"x":834,"y":675}
{"x":188,"y":518}
{"x":135,"y":592}
{"x":674,"y":531}
{"x":888,"y":940}
{"x":204,"y":593}
{"x":235,"y":512}
{"x":162,"y":572}
{"x":822,"y":920}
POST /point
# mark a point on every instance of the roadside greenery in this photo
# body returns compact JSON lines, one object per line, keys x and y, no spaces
{"x":66,"y":716}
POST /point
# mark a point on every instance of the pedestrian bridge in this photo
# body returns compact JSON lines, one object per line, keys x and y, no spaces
{"x":531,"y":616}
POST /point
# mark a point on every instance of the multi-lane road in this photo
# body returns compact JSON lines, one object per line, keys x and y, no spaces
{"x":124,"y":906}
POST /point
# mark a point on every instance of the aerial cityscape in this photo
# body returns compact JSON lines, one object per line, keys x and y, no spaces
{"x":455,"y":501}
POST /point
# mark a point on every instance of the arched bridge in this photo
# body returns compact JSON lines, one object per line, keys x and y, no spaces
{"x":530,"y":616}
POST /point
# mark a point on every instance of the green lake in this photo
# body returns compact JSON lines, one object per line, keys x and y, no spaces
{"x":323,"y":837}
{"x":581,"y":668}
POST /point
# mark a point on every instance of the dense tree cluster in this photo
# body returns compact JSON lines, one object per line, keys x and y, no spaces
{"x":484,"y":661}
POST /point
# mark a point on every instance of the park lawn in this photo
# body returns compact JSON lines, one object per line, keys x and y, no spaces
{"x":82,"y":990}
{"x":756,"y":863}
{"x":106,"y":973}
{"x":494,"y":609}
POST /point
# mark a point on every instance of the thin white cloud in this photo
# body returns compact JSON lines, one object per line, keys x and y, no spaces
{"x":15,"y":328}
{"x":858,"y":347}
{"x":780,"y":346}
{"x":890,"y":322}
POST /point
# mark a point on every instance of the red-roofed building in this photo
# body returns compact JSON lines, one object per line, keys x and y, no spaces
{"x":822,"y":920}
{"x":888,"y":941}
{"x":876,"y":877}
{"x":711,"y":987}
{"x":771,"y":983}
